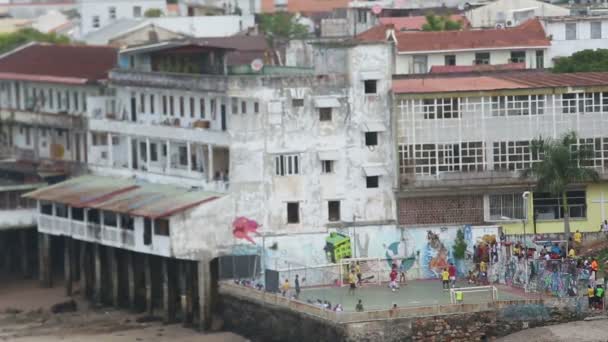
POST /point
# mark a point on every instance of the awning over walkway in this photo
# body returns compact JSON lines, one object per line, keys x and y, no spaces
{"x":125,"y":196}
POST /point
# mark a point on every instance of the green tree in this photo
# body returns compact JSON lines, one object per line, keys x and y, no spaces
{"x":279,"y":28}
{"x":10,"y":41}
{"x":460,"y":245}
{"x":583,"y":61}
{"x":153,"y":13}
{"x":441,"y":23}
{"x":562,"y":164}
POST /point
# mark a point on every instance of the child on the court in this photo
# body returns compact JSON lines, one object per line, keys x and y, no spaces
{"x":445,"y":277}
{"x":393,"y":276}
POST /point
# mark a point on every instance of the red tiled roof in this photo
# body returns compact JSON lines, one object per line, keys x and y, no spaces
{"x":528,"y":34}
{"x":498,"y":81}
{"x":442,"y":69}
{"x":415,"y":23}
{"x":375,"y":34}
{"x":71,"y":64}
{"x":315,"y":5}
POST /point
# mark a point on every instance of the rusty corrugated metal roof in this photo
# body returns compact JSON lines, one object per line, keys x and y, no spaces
{"x":125,"y":196}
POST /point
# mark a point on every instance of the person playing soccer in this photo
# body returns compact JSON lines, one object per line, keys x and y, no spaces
{"x":393,"y":276}
{"x":352,"y":283}
{"x":445,"y":277}
{"x":358,"y":273}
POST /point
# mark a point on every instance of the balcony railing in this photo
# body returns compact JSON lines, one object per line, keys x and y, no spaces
{"x":121,"y":238}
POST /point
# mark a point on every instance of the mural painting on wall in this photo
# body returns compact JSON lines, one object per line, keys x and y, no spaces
{"x":242,"y":228}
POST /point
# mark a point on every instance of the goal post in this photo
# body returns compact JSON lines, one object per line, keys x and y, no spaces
{"x":371,"y":269}
{"x":491,"y":290}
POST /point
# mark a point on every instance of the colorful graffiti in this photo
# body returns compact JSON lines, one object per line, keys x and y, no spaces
{"x":242,"y":227}
{"x":337,"y":247}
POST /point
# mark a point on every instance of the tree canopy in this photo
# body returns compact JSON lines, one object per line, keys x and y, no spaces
{"x":582,"y":61}
{"x":441,"y":23}
{"x":562,"y":164}
{"x":10,"y":41}
{"x":153,"y":13}
{"x":279,"y":28}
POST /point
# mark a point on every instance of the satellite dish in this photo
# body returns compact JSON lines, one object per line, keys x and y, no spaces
{"x":257,"y":64}
{"x":376,"y":9}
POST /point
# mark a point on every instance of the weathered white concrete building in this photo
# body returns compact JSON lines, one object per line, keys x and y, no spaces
{"x":42,"y":129}
{"x":184,"y":148}
{"x":508,"y":13}
{"x":575,"y":33}
{"x":95,"y":14}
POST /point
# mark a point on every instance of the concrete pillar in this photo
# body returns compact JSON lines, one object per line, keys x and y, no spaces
{"x":148,"y":154}
{"x":131,"y":278}
{"x":110,"y":151}
{"x":210,"y":163}
{"x":204,"y":293}
{"x":113,"y":268}
{"x":130,"y":152}
{"x":67,"y":265}
{"x":187,"y":280}
{"x":97,"y":291}
{"x":169,"y":290}
{"x":84,"y":270}
{"x":168,"y":155}
{"x":44,"y":258}
{"x":25,"y":253}
{"x":148,"y":277}
{"x":188,"y":153}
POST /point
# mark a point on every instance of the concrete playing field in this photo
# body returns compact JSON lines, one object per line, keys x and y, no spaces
{"x":415,"y":293}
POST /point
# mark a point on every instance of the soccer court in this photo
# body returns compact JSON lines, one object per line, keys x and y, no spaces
{"x":415,"y":293}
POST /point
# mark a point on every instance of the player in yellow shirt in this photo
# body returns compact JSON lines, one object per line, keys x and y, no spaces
{"x":352,"y":283}
{"x":571,"y":253}
{"x":285,"y":287}
{"x":445,"y":277}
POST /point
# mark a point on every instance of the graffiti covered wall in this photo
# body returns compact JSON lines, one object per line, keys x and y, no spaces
{"x":421,"y":252}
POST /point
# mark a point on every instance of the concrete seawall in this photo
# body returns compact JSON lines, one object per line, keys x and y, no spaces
{"x":273,"y":318}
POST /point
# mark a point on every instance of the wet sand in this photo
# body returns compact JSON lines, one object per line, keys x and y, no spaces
{"x":25,"y":316}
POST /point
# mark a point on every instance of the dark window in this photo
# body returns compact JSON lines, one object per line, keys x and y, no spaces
{"x":370,"y":86}
{"x":325,"y":114}
{"x":518,"y":56}
{"x":126,"y":222}
{"x":143,"y":151}
{"x":371,"y":138}
{"x":67,"y":100}
{"x":109,"y":219}
{"x":164,"y":150}
{"x":540,"y":59}
{"x":327,"y":166}
{"x":192,"y":108}
{"x":256,"y":107}
{"x":147,"y":231}
{"x":235,"y":105}
{"x":333,"y":210}
{"x":93,"y":216}
{"x":297,"y":102}
{"x":482,"y":58}
{"x":372,"y":181}
{"x":142,"y":103}
{"x":243,"y":107}
{"x":450,"y":59}
{"x":161,"y":227}
{"x":181,"y":106}
{"x":171,"y":106}
{"x":293,"y":212}
{"x":202,"y":104}
{"x":78,"y":214}
{"x":46,"y":208}
{"x":549,"y":207}
{"x":183,"y":155}
{"x":153,"y":152}
{"x":61,"y":210}
{"x":164,"y":105}
{"x":151,"y":104}
{"x":76,"y":106}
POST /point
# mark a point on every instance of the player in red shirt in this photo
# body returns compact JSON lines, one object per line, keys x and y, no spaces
{"x":393,"y":276}
{"x":452,"y":271}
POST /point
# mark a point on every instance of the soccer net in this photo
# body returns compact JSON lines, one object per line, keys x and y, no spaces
{"x":475,"y":294}
{"x":372,"y":270}
{"x":312,"y":276}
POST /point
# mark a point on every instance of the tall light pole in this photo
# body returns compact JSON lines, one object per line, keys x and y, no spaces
{"x":525,"y":196}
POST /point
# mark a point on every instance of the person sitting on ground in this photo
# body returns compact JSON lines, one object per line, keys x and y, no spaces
{"x":571,"y":253}
{"x":359,"y":306}
{"x":338,"y":308}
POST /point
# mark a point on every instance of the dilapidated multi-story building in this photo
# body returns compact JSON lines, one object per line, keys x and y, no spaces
{"x":463,"y":140}
{"x":193,"y":160}
{"x":43,"y":96}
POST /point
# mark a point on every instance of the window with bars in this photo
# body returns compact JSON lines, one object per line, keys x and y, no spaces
{"x":506,"y":207}
{"x":596,"y":30}
{"x":513,"y":155}
{"x":517,"y":105}
{"x":430,"y":159}
{"x":447,"y":108}
{"x":287,"y":165}
{"x":573,"y":103}
{"x":598,"y":151}
{"x":549,"y":207}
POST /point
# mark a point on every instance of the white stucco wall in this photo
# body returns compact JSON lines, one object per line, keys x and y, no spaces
{"x":560,"y":47}
{"x":405,"y":64}
{"x":489,"y":15}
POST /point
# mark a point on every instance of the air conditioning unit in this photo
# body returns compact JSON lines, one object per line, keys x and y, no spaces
{"x":500,"y":26}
